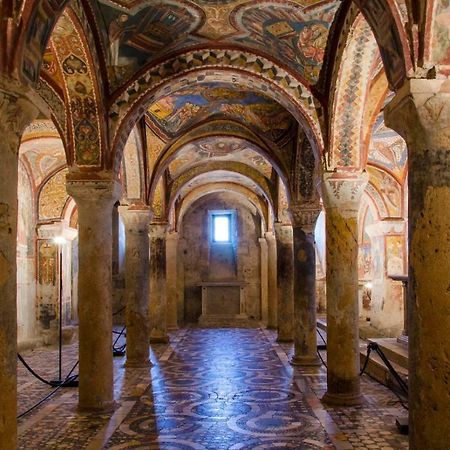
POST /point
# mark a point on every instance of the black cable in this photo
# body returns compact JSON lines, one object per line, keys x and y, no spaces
{"x":120,"y":310}
{"x":321,"y":337}
{"x":68,"y":378}
{"x":323,"y":362}
{"x":32,"y":371}
{"x":121,"y":349}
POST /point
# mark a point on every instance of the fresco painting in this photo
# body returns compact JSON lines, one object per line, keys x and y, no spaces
{"x":300,"y":35}
{"x":178,"y":112}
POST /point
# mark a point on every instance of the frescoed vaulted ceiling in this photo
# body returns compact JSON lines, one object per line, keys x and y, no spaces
{"x":139,"y":32}
{"x":219,"y":149}
{"x":175,"y":114}
{"x":224,"y":82}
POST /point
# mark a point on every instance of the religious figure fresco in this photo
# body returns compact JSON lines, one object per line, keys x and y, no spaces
{"x":137,"y":34}
{"x":299,"y":36}
{"x":176,"y":113}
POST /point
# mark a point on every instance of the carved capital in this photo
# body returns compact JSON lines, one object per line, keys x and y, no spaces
{"x":136,"y":218}
{"x":420,"y":113}
{"x":158,"y":230}
{"x":304,"y":216}
{"x":94,"y":193}
{"x":283,"y":232}
{"x":16,"y":114}
{"x":343,"y":191}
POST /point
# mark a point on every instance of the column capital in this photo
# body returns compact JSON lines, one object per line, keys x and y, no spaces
{"x":158,"y":230}
{"x":304,"y":216}
{"x":172,"y":236}
{"x":283,"y":231}
{"x":343,"y":191}
{"x":16,"y":111}
{"x":93,"y":191}
{"x":136,"y":217}
{"x":420,"y":113}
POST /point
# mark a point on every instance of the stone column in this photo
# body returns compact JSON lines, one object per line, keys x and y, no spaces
{"x":264,"y":280}
{"x":420,"y":112}
{"x":172,"y":280}
{"x":341,"y":196}
{"x":136,"y":220}
{"x":305,"y":324}
{"x":95,"y":200}
{"x":157,"y":304}
{"x":15,"y":114}
{"x":272,"y":316}
{"x":285,"y":282}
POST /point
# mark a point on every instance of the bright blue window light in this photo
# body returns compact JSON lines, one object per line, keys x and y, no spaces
{"x":222,"y":228}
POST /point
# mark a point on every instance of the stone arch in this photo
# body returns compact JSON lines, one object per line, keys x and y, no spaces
{"x":227,"y":66}
{"x":227,"y":166}
{"x":86,"y":133}
{"x":348,"y":97}
{"x":385,"y":22}
{"x":36,"y":20}
{"x":197,"y":134}
{"x":210,"y":188}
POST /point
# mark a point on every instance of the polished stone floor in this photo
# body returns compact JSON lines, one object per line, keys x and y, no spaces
{"x":209,"y":389}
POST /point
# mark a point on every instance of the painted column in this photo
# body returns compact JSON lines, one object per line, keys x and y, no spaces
{"x":95,"y":200}
{"x":420,"y":112}
{"x":272,"y":316}
{"x":285,"y":282}
{"x":15,"y":114}
{"x":136,"y":220}
{"x":305,"y":324}
{"x":172,"y":280}
{"x":341,"y":196}
{"x":264,"y":280}
{"x":157,"y":304}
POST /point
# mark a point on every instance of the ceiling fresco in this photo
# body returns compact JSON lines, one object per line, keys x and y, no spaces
{"x":388,"y":149}
{"x":138,"y":32}
{"x":219,"y":149}
{"x":174,"y":114}
{"x":42,"y":156}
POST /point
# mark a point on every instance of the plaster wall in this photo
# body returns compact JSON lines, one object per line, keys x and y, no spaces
{"x":26,"y":284}
{"x":202,"y":262}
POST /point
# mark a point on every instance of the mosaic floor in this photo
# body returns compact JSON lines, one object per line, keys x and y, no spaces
{"x":209,"y":389}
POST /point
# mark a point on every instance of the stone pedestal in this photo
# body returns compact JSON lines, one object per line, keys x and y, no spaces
{"x":420,"y":112}
{"x":272,"y":288}
{"x":222,"y":301}
{"x":95,"y":201}
{"x":136,"y":220}
{"x":15,"y":114}
{"x":341,"y":195}
{"x":264,"y":280}
{"x":305,"y":324}
{"x":172,"y":280}
{"x":157,"y":304}
{"x":285,"y":282}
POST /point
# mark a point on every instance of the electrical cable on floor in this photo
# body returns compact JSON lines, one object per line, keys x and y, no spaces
{"x":26,"y":365}
{"x":374,"y":346}
{"x":68,"y":378}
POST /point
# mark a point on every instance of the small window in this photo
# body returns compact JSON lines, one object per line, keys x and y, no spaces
{"x":221,"y":224}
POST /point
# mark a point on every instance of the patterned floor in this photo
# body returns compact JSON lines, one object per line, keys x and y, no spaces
{"x":209,"y":389}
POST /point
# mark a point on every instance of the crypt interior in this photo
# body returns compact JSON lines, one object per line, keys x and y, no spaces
{"x":224,"y":224}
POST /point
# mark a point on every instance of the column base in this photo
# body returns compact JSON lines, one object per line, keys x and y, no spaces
{"x":173,"y":328}
{"x":104,"y":407}
{"x":159,"y":340}
{"x":138,"y":364}
{"x":307,"y":361}
{"x":284,"y":339}
{"x":342,"y":399}
{"x":271,"y":327}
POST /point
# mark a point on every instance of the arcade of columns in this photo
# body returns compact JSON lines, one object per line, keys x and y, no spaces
{"x":419,"y":112}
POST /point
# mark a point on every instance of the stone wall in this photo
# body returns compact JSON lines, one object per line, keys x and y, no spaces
{"x":200,"y":258}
